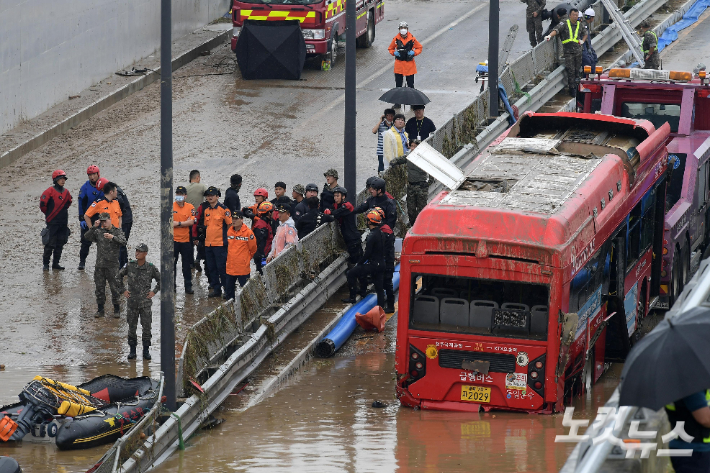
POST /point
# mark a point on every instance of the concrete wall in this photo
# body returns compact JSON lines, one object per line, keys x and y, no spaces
{"x":52,"y":49}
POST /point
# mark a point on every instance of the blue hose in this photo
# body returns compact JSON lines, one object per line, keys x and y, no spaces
{"x":347,"y":324}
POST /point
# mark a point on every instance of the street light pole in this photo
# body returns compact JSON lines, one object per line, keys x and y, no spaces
{"x":493,"y":25}
{"x":167,"y":269}
{"x":349,"y":141}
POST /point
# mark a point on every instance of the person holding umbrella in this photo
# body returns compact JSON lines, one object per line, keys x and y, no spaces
{"x":404,"y":47}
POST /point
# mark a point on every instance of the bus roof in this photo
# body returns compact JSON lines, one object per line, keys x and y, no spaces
{"x":542,"y":183}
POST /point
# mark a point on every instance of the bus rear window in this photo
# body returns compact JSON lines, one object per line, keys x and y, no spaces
{"x":479,"y":306}
{"x":656,"y":113}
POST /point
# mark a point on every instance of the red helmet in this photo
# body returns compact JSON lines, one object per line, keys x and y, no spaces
{"x":265,"y":208}
{"x":262,"y":192}
{"x":57,"y":174}
{"x":93,"y":169}
{"x":101,"y":182}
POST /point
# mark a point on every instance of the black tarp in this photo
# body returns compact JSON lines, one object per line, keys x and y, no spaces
{"x":271,"y":50}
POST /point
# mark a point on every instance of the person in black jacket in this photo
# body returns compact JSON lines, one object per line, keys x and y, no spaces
{"x":331,"y":182}
{"x":343,"y":213}
{"x":311,"y":220}
{"x":300,"y":209}
{"x":263,"y":232}
{"x":380,"y":199}
{"x":371,"y":263}
{"x":231,"y":196}
{"x":389,"y":267}
{"x":126,"y":224}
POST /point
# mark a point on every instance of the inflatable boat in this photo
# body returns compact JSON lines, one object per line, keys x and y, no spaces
{"x":84,"y":416}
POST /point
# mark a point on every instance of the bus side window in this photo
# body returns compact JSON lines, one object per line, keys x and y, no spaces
{"x":648,"y":221}
{"x":633,"y":237}
{"x":701,"y":187}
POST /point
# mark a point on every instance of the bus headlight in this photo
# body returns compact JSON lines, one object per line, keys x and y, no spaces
{"x":313,"y":34}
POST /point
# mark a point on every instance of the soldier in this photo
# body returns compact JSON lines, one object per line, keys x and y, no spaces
{"x":54,"y":203}
{"x":533,"y":20}
{"x":88,"y":194}
{"x":297,"y":193}
{"x":417,"y":185}
{"x":573,"y":34}
{"x":138,"y":296}
{"x":371,"y":263}
{"x":108,"y":240}
{"x":331,"y":182}
{"x":650,"y":47}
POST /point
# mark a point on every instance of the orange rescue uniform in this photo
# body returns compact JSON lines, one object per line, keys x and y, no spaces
{"x":406,"y":68}
{"x":112,"y":208}
{"x":216,"y":221}
{"x":241,"y":249}
{"x":182,"y":214}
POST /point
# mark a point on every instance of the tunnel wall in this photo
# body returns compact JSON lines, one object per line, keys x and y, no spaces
{"x":50,"y":50}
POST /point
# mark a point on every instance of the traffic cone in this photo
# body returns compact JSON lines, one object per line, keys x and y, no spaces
{"x":372,"y":320}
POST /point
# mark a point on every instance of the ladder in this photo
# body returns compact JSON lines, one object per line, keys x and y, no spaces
{"x":627,"y":31}
{"x":507,"y":46}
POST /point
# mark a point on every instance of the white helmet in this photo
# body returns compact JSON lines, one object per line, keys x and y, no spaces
{"x":403,"y":24}
{"x":589,"y":12}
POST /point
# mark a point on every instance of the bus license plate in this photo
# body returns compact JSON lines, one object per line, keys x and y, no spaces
{"x":475,"y":393}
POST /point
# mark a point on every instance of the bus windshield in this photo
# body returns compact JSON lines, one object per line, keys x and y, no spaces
{"x":656,"y":113}
{"x":479,"y":306}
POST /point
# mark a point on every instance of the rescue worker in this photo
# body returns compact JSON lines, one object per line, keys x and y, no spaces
{"x":368,"y":184}
{"x":417,"y":186}
{"x":54,"y":204}
{"x":108,"y":240}
{"x":126,"y":223}
{"x":311,"y":220}
{"x":88,"y":194}
{"x":184,"y":216}
{"x":286,"y":235}
{"x":533,"y":20}
{"x":109,"y":204}
{"x":331,"y":182}
{"x":379,"y":198}
{"x":419,"y":127}
{"x":693,"y":410}
{"x":297,"y":193}
{"x":649,"y":47}
{"x":344,"y":213}
{"x":217,"y":219}
{"x":371,"y":263}
{"x":384,"y":124}
{"x":589,"y":55}
{"x":241,"y":249}
{"x":139,"y":295}
{"x":388,"y":274}
{"x":573,"y":34}
{"x":231,"y":195}
{"x":300,"y":209}
{"x":198,"y":239}
{"x":264,"y":234}
{"x":404,"y":47}
{"x":195,"y":197}
{"x":260,"y":195}
{"x":396,"y":139}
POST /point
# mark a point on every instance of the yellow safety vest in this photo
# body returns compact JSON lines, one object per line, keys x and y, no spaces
{"x":571,"y":36}
{"x":655,"y":36}
{"x":672,"y":410}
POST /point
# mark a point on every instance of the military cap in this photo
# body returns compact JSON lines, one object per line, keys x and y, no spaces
{"x":331,"y":172}
{"x":298,"y":188}
{"x":212,"y":190}
{"x":142,"y":247}
{"x":104,"y":216}
{"x":181,"y":190}
{"x":284,"y":208}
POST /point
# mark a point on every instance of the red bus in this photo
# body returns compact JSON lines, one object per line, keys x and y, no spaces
{"x":518,"y":286}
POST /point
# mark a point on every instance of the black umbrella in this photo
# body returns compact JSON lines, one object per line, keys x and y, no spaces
{"x":671,"y":362}
{"x":271,"y":50}
{"x":406,"y":96}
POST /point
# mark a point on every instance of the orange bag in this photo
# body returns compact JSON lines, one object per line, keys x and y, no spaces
{"x":373,"y":320}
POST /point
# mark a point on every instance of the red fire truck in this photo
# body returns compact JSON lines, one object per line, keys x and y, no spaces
{"x":518,"y":285}
{"x":322,"y":21}
{"x":682,"y":101}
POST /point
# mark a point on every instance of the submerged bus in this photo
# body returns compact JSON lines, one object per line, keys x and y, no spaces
{"x":518,"y":285}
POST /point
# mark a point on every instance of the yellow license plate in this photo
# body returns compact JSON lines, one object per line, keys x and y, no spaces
{"x":475,"y":393}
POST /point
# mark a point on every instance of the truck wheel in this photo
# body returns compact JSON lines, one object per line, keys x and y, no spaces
{"x":333,"y":53}
{"x":365,"y":40}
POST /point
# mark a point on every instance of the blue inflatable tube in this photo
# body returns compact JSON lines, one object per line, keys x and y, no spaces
{"x":347,"y":324}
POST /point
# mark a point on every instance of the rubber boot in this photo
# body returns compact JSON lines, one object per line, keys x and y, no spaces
{"x":55,"y":259}
{"x":352,"y":298}
{"x":197,"y":267}
{"x":132,"y":355}
{"x":389,"y":308}
{"x":82,"y":265}
{"x":146,"y":352}
{"x":116,"y":311}
{"x":188,"y":289}
{"x":572,"y":92}
{"x":45,"y":257}
{"x":100,"y":311}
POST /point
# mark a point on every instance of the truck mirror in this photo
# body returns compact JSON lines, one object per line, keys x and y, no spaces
{"x":569,"y":328}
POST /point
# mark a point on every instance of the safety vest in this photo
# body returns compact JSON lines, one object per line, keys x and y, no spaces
{"x":572,"y":37}
{"x":647,"y":50}
{"x":679,"y":412}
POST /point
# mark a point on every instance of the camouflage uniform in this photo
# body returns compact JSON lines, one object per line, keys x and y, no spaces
{"x":417,"y":188}
{"x":106,"y":269}
{"x":572,"y":49}
{"x":650,"y":40}
{"x":533,"y":25}
{"x":139,"y":305}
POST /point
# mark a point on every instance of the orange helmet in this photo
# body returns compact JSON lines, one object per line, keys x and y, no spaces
{"x":265,"y":208}
{"x":380,"y":211}
{"x":375,"y":216}
{"x":262,"y":192}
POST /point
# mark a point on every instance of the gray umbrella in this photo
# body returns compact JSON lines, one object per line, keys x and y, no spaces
{"x":671,"y":362}
{"x":406,"y":96}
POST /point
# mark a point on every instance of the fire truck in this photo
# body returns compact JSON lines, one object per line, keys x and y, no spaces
{"x":682,"y":100}
{"x":518,"y":285}
{"x":322,"y":21}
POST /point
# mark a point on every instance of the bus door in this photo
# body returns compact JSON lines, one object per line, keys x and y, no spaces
{"x":617,"y":338}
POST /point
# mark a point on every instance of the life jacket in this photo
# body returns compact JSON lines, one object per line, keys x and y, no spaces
{"x":404,"y":49}
{"x":656,"y":45}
